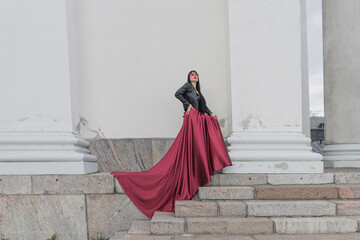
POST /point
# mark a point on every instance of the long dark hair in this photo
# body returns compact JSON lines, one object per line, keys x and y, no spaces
{"x":202,"y":102}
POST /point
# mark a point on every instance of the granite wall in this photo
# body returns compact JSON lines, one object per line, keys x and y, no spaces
{"x":70,"y":206}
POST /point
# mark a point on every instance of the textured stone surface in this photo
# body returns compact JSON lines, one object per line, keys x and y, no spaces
{"x":349,"y":191}
{"x":305,"y":225}
{"x":73,"y":184}
{"x":40,"y":216}
{"x":122,"y":155}
{"x":231,"y":208}
{"x":347,"y":177}
{"x":228,"y":225}
{"x":166,"y":223}
{"x":140,"y":227}
{"x":195,"y":208}
{"x":14,"y":184}
{"x":214,"y":237}
{"x":145,"y":237}
{"x":296,"y":192}
{"x":300,"y":178}
{"x":336,"y":236}
{"x":348,"y":207}
{"x":290,"y":208}
{"x":110,"y":213}
{"x":118,"y":187}
{"x":231,"y":179}
{"x":159,"y":148}
{"x":226,"y":192}
{"x":119,"y":235}
{"x":215,"y":180}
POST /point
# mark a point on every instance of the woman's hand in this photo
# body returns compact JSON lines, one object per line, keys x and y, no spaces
{"x":189,"y":109}
{"x":214,"y":116}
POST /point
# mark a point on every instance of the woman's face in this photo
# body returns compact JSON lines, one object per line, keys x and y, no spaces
{"x":194,"y":77}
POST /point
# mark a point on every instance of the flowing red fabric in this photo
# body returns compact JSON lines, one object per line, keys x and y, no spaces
{"x":196,"y":153}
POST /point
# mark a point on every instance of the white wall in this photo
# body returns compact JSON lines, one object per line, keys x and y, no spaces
{"x":134,"y":55}
{"x":34,"y":67}
{"x":268,"y":68}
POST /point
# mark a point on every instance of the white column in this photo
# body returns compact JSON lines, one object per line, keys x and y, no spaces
{"x":38,"y":94}
{"x":341,"y":45}
{"x":269,"y":88}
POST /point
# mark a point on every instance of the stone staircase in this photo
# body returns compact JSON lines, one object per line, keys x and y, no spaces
{"x":262,"y":206}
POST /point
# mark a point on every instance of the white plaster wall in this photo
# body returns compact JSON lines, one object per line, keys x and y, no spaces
{"x":34,"y":66}
{"x":134,"y":55}
{"x":267,"y":68}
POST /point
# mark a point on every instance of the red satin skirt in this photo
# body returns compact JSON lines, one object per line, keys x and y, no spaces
{"x":196,"y":153}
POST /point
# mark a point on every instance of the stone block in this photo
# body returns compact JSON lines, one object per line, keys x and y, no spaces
{"x":232,"y":208}
{"x":41,"y":216}
{"x":141,"y":226}
{"x":347,"y":208}
{"x":15,"y":184}
{"x":226,"y":192}
{"x":290,"y":208}
{"x":188,"y":208}
{"x":159,"y":147}
{"x":336,"y":236}
{"x":349,"y":191}
{"x":228,"y":225}
{"x":126,"y":155}
{"x":347,"y":177}
{"x":301,"y":178}
{"x":235,"y":179}
{"x":308,"y":225}
{"x":110,"y":213}
{"x":166,"y":223}
{"x":73,"y":184}
{"x":296,"y":192}
{"x":215,"y":180}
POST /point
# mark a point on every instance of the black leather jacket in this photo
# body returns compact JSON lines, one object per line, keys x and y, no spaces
{"x":188,"y":95}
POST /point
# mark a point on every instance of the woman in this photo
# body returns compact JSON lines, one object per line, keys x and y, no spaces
{"x":196,"y":153}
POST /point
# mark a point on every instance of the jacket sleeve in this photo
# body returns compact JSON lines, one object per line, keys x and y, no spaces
{"x":179,"y":94}
{"x":207,"y":110}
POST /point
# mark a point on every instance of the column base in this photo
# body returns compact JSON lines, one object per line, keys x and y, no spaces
{"x":24,"y":153}
{"x":272,"y":153}
{"x":342,"y":155}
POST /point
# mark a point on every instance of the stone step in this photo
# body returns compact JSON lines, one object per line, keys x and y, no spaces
{"x":226,"y":192}
{"x":188,"y":208}
{"x":347,"y":207}
{"x":141,"y":226}
{"x":313,"y":225}
{"x":167,"y":223}
{"x":279,"y":192}
{"x":290,"y":208}
{"x":164,"y":223}
{"x":259,"y":208}
{"x":343,"y":236}
{"x":337,"y":236}
{"x":228,"y":225}
{"x":297,"y":192}
{"x":330,"y":176}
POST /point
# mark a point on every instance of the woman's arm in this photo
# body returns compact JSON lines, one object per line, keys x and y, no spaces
{"x":179,"y":94}
{"x":207,"y":110}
